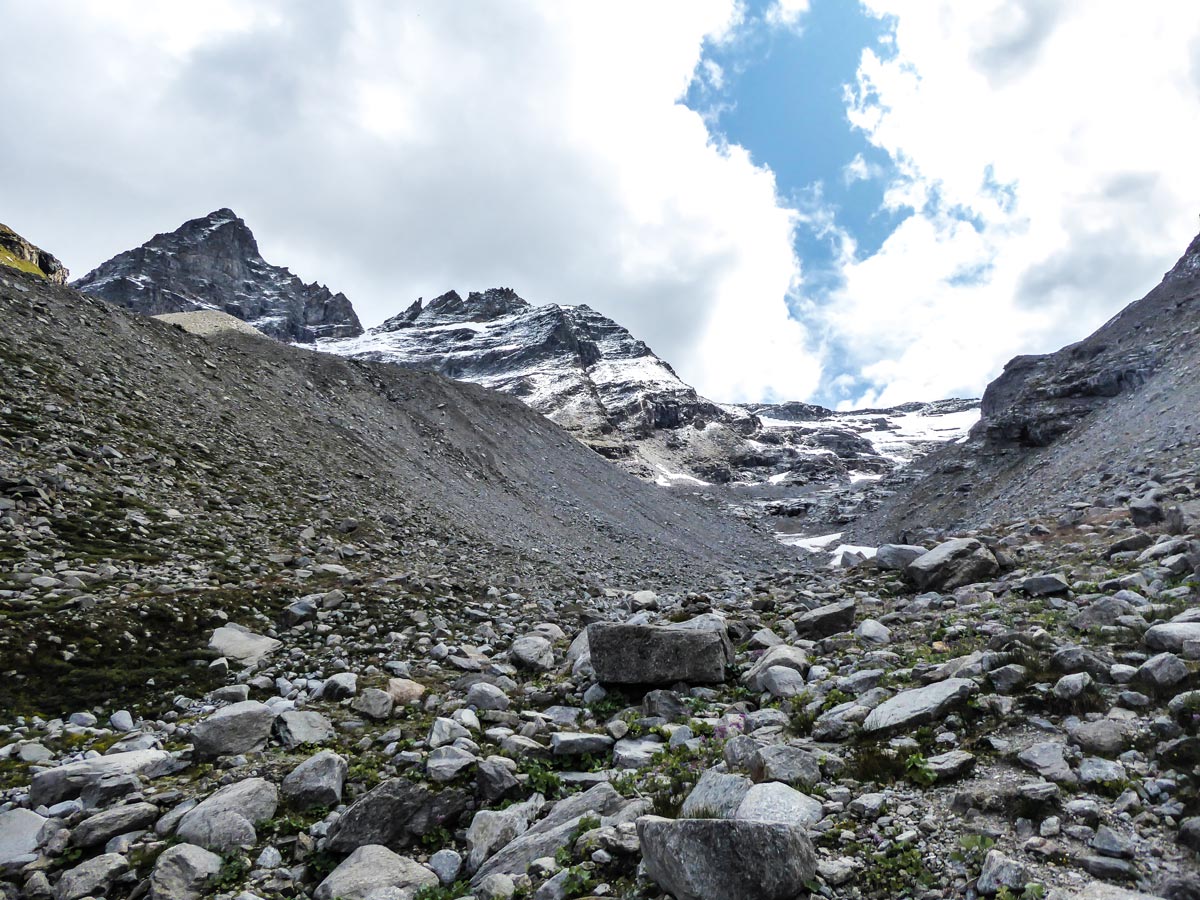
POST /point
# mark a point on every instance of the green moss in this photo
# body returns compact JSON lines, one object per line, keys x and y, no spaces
{"x":22,"y":265}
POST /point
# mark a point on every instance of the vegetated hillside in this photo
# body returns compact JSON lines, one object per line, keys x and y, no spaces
{"x":135,"y":456}
{"x":1110,"y":417}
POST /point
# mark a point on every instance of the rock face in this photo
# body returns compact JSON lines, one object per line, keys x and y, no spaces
{"x":213,"y":263}
{"x":699,"y":859}
{"x":1065,"y":427}
{"x":18,"y":253}
{"x":646,"y":654}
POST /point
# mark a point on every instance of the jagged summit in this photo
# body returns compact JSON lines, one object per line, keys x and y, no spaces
{"x":450,"y":308}
{"x":213,"y":262}
{"x":577,"y":366}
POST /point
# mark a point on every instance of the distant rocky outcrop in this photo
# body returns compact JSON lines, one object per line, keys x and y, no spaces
{"x":213,"y":263}
{"x":18,"y":253}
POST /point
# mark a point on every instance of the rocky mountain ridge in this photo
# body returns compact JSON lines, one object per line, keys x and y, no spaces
{"x":214,"y":263}
{"x":1110,"y":417}
{"x":807,"y":467}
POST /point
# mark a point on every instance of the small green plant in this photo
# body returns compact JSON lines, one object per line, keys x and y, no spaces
{"x":449,"y":892}
{"x":973,"y":849}
{"x":233,"y":872}
{"x":917,"y":769}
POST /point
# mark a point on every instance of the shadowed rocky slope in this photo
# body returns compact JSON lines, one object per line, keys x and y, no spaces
{"x":1105,"y":419}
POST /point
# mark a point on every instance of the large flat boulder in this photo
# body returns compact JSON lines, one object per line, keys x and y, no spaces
{"x":20,"y":834}
{"x":702,"y":859}
{"x":67,"y":782}
{"x":652,"y":654}
{"x":242,"y":645}
{"x":237,"y":728}
{"x":919,"y":705}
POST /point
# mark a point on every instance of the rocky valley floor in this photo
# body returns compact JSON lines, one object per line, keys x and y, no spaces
{"x":274,"y":624}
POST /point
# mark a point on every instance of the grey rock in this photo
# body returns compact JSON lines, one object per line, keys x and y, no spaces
{"x":1162,"y":672}
{"x":446,"y":864}
{"x":999,"y":872}
{"x":1048,"y":759}
{"x":896,"y":557}
{"x":295,"y":728}
{"x":370,"y":868}
{"x":1171,"y":635}
{"x":242,"y":645}
{"x":392,"y":812}
{"x":791,"y":765}
{"x":873,"y":632}
{"x":534,"y":652}
{"x":952,"y":564}
{"x":101,"y":827}
{"x":90,"y":878}
{"x":340,"y":686}
{"x":373,"y":703}
{"x":318,"y":781}
{"x":826,"y":620}
{"x":1094,"y":770}
{"x":491,"y":830}
{"x":700,"y":859}
{"x":1045,"y":585}
{"x":64,"y":782}
{"x":778,"y":656}
{"x":919,"y":705}
{"x":950,"y":765}
{"x":225,"y":821}
{"x":636,"y":753}
{"x":1071,"y":687}
{"x":183,"y":872}
{"x":775,"y":802}
{"x":782,"y":682}
{"x":487,"y":696}
{"x":717,"y":795}
{"x":447,"y":763}
{"x":647,"y":654}
{"x":234,"y":729}
{"x":570,"y":743}
{"x":20,"y":831}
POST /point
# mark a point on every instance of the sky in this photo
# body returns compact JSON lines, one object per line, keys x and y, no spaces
{"x":850,"y":203}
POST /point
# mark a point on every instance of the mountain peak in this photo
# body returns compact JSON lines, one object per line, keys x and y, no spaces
{"x":213,"y":262}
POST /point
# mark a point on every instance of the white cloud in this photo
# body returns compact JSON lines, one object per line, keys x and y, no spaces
{"x":1067,"y":133}
{"x":396,"y":150}
{"x":787,"y":13}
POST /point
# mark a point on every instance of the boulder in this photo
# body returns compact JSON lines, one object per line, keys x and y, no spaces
{"x":779,"y":655}
{"x":238,"y":728}
{"x":225,"y":821}
{"x":20,"y":834}
{"x":96,"y":830}
{"x":717,"y":795}
{"x":394,"y":812}
{"x":534,"y":652}
{"x":826,"y":620}
{"x":317,"y":781}
{"x":791,"y":765}
{"x":775,"y":802}
{"x":702,"y":859}
{"x":242,"y":645}
{"x":183,"y":872}
{"x":1171,"y":635}
{"x":919,"y":705}
{"x":896,"y":557}
{"x":65,"y":782}
{"x":648,"y":654}
{"x":371,"y":868}
{"x":373,"y":703}
{"x":91,"y":878}
{"x":405,"y":691}
{"x":952,"y":564}
{"x":295,"y":728}
{"x":492,"y":830}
